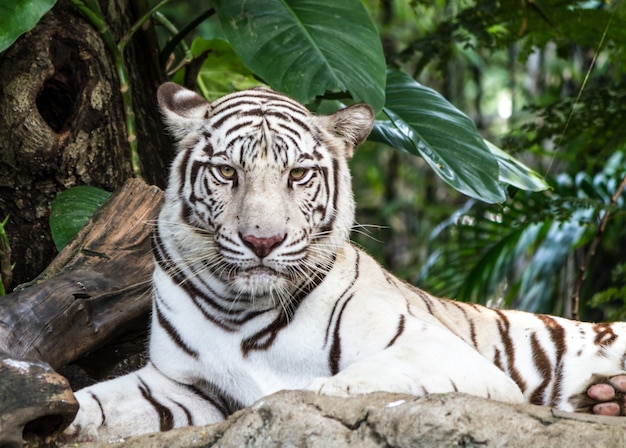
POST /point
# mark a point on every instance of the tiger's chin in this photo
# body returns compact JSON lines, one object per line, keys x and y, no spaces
{"x":260,"y":282}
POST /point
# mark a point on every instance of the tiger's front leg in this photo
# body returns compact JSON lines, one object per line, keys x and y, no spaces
{"x":139,"y":402}
{"x":416,"y":365}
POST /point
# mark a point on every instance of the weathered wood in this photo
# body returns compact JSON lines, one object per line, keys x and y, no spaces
{"x":35,"y":402}
{"x":97,"y":289}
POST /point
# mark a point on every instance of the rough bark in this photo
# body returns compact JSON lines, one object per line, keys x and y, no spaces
{"x":62,"y":122}
{"x":304,"y":419}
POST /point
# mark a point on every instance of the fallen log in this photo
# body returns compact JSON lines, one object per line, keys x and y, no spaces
{"x":35,"y":402}
{"x":96,"y":290}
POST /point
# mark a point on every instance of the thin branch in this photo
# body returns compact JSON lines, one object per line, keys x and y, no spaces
{"x":171,"y":28}
{"x":169,"y":47}
{"x":592,"y":249}
{"x":139,"y":23}
{"x":6,"y":269}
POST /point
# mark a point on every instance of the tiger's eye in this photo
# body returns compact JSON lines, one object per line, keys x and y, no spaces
{"x":227,"y":171}
{"x":297,"y":173}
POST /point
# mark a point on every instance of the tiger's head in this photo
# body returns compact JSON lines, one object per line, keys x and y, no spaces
{"x":259,"y":194}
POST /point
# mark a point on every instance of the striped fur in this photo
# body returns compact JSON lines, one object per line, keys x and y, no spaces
{"x":257,"y":288}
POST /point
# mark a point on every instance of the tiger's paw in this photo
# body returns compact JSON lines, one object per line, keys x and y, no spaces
{"x":87,"y":423}
{"x":609,"y":396}
{"x":342,"y":385}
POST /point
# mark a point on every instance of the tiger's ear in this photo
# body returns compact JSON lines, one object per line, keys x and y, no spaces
{"x":352,"y":125}
{"x":183,"y":110}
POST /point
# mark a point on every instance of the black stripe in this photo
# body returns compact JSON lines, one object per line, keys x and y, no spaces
{"x":238,"y":113}
{"x":166,"y":418}
{"x":265,"y":337}
{"x":236,"y":127}
{"x":186,"y":411}
{"x":257,"y":97}
{"x":220,"y":315}
{"x":182,"y":171}
{"x":426,"y":299}
{"x":504,"y":328}
{"x":220,"y":400}
{"x":557,"y":336}
{"x":334,"y":355}
{"x":543,"y":366}
{"x":468,"y":319}
{"x":398,"y":332}
{"x":327,"y":227}
{"x":172,"y":332}
{"x":102,"y":414}
{"x":344,"y":293}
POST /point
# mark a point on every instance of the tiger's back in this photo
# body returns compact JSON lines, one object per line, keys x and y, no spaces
{"x":257,"y":288}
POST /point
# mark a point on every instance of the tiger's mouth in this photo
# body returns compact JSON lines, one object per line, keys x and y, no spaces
{"x":259,"y":271}
{"x":260,"y":281}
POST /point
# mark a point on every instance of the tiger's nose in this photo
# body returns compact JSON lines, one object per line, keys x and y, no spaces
{"x":262,"y":246}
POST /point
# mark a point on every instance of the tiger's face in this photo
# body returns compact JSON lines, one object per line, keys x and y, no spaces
{"x":259,"y":194}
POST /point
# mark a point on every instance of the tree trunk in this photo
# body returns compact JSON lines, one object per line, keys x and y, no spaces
{"x":62,"y":122}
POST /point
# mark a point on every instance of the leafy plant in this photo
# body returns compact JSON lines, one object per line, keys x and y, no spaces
{"x":614,"y":297}
{"x":20,"y":16}
{"x":70,"y":211}
{"x":221,"y":71}
{"x":328,"y":54}
{"x":519,"y":252}
{"x":308,"y":47}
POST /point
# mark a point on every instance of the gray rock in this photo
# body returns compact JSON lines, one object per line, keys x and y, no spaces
{"x":304,"y":419}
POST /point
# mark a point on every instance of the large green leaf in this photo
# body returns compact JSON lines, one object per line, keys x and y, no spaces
{"x":514,"y":172}
{"x":422,"y":122}
{"x":19,"y":16}
{"x":71,"y":210}
{"x":305,"y":48}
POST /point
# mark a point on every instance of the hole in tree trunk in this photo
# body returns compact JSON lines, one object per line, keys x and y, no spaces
{"x":57,"y":99}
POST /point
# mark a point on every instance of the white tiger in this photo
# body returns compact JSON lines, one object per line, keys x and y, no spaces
{"x":257,"y":289}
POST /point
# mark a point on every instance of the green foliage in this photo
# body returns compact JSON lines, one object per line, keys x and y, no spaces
{"x":561,"y":67}
{"x":222,"y":71}
{"x":515,"y":173}
{"x":71,"y":210}
{"x":316,"y":54}
{"x":614,"y":298}
{"x":518,"y":252}
{"x":18,"y":17}
{"x":442,"y":135}
{"x":307,"y":47}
